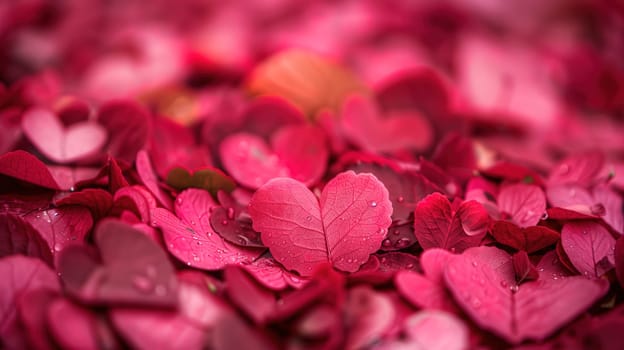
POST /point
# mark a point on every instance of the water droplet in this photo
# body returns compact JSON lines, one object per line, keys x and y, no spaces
{"x":150,"y":270}
{"x":400,"y":199}
{"x":396,"y":232}
{"x":476,"y":303}
{"x":224,"y":222}
{"x":544,"y":216}
{"x":386,"y":243}
{"x":72,"y":189}
{"x":382,"y":231}
{"x":242,"y":240}
{"x":402,"y":243}
{"x":295,"y":279}
{"x":513,"y":288}
{"x":209,"y":234}
{"x":56,"y":214}
{"x":409,"y":266}
{"x":308,"y":218}
{"x":349,"y":260}
{"x":475,"y":264}
{"x":154,"y":223}
{"x":188,"y":263}
{"x":230,"y":213}
{"x":373,"y":204}
{"x":160,"y":290}
{"x":195,"y":258}
{"x":179,"y":200}
{"x":504,"y":284}
{"x":541,"y":269}
{"x":143,"y":284}
{"x":58,"y":247}
{"x":198,"y":243}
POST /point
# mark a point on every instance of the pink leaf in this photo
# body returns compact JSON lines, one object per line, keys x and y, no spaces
{"x":438,"y":225}
{"x":343,"y":228}
{"x":529,"y":239}
{"x":482,"y":280}
{"x":523,"y":204}
{"x":26,"y":167}
{"x":128,"y":125}
{"x":436,"y":330}
{"x":149,"y":179}
{"x":368,"y":315}
{"x":523,"y":268}
{"x":272,"y":275}
{"x":365,"y":127}
{"x":427,"y":291}
{"x":20,"y":274}
{"x":254,"y":300}
{"x":98,"y":201}
{"x":19,"y":237}
{"x":190,"y":238}
{"x":133,"y":269}
{"x":63,"y":226}
{"x":62,"y":145}
{"x":78,"y":327}
{"x":298,"y":151}
{"x":580,"y":169}
{"x":589,"y":246}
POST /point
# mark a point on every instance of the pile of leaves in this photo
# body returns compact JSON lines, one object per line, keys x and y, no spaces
{"x":433,"y":176}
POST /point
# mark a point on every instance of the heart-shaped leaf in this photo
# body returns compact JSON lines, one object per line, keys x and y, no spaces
{"x":190,"y":238}
{"x":482,"y":280}
{"x":521,"y":203}
{"x":63,"y":226}
{"x":297,"y":151}
{"x":438,"y":224}
{"x":363,"y":125}
{"x":133,"y":269}
{"x":529,"y":239}
{"x":589,"y":246}
{"x":212,"y":180}
{"x":343,"y":228}
{"x":62,"y":145}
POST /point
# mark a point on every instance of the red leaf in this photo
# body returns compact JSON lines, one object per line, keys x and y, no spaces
{"x":580,"y":169}
{"x":136,"y":199}
{"x":427,"y":291}
{"x":438,"y":225}
{"x":523,"y":268}
{"x":619,"y":260}
{"x":95,"y":199}
{"x":190,"y":238}
{"x":529,"y":239}
{"x":80,"y":141}
{"x":298,"y":151}
{"x":149,"y":179}
{"x":368,"y":316}
{"x":343,"y":228}
{"x":26,"y":167}
{"x":589,"y":246}
{"x":20,"y":274}
{"x":523,"y":204}
{"x":212,"y":180}
{"x":134,"y":269}
{"x":253,"y":299}
{"x":128,"y":125}
{"x":482,"y":280}
{"x":60,"y":227}
{"x":18,"y":237}
{"x":363,"y":125}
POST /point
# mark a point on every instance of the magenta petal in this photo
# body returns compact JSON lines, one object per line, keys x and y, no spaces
{"x":255,"y":300}
{"x":190,"y":238}
{"x":62,"y":226}
{"x":589,"y":246}
{"x":344,"y":227}
{"x":272,"y":275}
{"x":483,"y":283}
{"x":525,"y":204}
